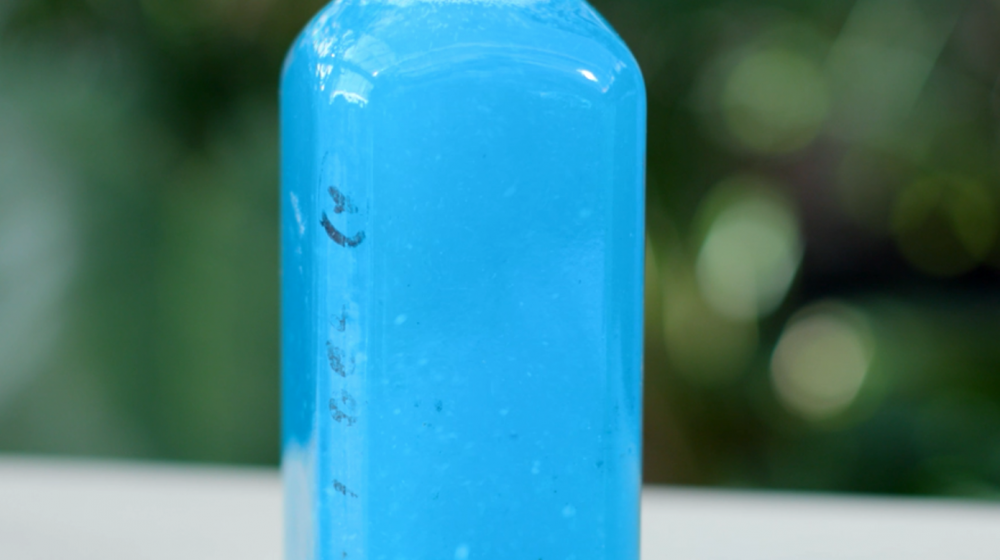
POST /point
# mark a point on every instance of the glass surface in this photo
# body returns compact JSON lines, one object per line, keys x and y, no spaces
{"x":462,"y":245}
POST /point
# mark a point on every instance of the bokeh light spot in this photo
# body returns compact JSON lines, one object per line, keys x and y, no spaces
{"x":867,"y":182}
{"x":945,"y":225}
{"x":702,"y":345}
{"x":821,"y":361}
{"x":38,"y":253}
{"x":775,"y":101}
{"x":750,"y":254}
{"x":879,"y":67}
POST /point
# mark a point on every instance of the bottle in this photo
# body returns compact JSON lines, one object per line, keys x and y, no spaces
{"x":462,"y":266}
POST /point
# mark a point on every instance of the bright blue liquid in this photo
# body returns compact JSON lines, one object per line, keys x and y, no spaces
{"x":463,"y":313}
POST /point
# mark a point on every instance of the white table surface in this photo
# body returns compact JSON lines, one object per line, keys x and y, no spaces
{"x":61,"y":510}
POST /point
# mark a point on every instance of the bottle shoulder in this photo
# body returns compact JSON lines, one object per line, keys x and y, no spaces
{"x":385,"y":39}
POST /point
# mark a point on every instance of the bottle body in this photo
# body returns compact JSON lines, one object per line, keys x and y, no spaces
{"x":462,"y":245}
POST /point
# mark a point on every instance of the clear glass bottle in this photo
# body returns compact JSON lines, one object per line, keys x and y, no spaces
{"x":462,"y":256}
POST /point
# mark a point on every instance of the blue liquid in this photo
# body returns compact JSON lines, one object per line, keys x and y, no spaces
{"x":462,"y":239}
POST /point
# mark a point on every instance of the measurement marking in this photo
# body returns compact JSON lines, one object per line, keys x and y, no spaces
{"x":340,"y":238}
{"x":348,"y":401}
{"x":341,"y":416}
{"x":341,"y":204}
{"x":343,"y":408}
{"x":339,"y":487}
{"x":336,"y":357}
{"x":342,"y":320}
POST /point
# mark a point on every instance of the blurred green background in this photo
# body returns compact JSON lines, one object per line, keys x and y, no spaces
{"x":824,"y":212}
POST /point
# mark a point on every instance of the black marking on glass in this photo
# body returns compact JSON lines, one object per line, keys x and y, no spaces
{"x":348,"y":401}
{"x":338,"y":363}
{"x":342,"y":320}
{"x":341,"y":412}
{"x":341,"y":204}
{"x":340,"y":487}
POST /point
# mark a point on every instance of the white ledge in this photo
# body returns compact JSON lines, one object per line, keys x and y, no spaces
{"x":108,"y":511}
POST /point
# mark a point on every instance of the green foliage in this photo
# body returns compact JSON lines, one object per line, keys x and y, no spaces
{"x":822,"y":309}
